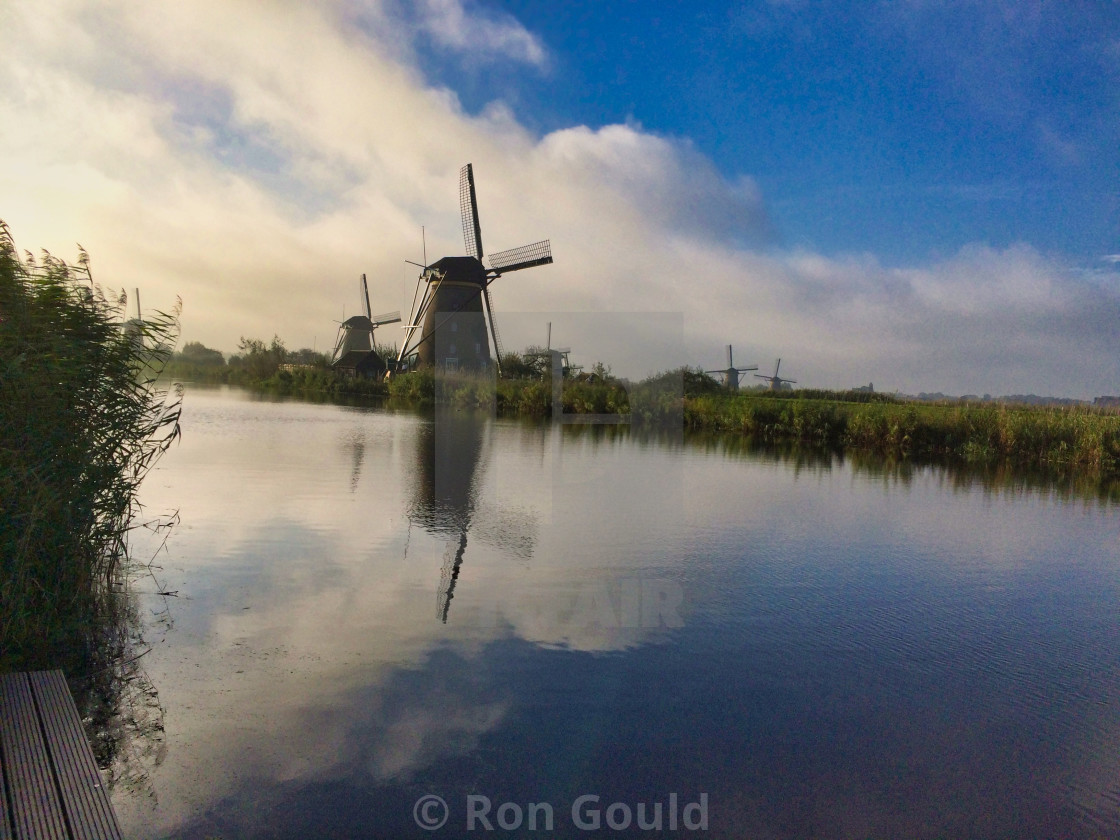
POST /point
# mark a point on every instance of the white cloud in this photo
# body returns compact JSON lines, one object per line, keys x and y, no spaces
{"x":479,"y":34}
{"x":256,"y":159}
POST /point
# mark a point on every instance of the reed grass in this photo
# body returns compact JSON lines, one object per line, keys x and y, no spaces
{"x":1081,"y":438}
{"x":81,"y":423}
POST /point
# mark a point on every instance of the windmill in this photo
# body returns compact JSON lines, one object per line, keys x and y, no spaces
{"x":355,"y":351}
{"x":732,"y":374}
{"x":447,"y":328}
{"x":555,"y":359}
{"x":134,"y":327}
{"x":775,"y":380}
{"x":563,"y":352}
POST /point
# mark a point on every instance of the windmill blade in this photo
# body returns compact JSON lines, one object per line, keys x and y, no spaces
{"x":493,"y":330}
{"x":730,"y":363}
{"x":365,"y":297}
{"x":336,"y":354}
{"x":387,"y":318}
{"x":777,"y":365}
{"x":527,"y":256}
{"x":468,"y":207}
{"x":449,"y":574}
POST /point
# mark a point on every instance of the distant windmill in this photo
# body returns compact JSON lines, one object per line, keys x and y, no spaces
{"x":354,"y":347}
{"x":134,"y":327}
{"x":775,"y":380}
{"x":732,"y":374}
{"x":560,"y":359}
{"x":447,"y":328}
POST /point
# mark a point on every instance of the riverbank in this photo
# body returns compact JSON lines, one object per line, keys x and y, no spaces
{"x":310,"y":380}
{"x":1077,"y":438}
{"x":1064,"y":438}
{"x":509,"y":397}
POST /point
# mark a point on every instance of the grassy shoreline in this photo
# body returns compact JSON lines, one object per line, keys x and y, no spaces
{"x":1079,"y":438}
{"x":1065,"y":438}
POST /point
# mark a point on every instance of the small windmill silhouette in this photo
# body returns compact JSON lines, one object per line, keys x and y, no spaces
{"x":732,"y":374}
{"x":775,"y":380}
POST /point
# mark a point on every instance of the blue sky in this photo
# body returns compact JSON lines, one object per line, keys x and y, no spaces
{"x":915,"y":193}
{"x":903,"y":129}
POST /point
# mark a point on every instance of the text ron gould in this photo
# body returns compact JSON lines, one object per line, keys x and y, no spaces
{"x":589,"y":814}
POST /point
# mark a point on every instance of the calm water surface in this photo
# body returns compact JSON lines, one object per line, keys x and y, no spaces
{"x":374,"y":607}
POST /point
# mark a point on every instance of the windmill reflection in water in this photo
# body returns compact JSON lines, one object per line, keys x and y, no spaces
{"x":453,"y":452}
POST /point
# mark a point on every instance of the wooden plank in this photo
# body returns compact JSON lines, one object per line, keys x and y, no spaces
{"x":85,"y":801}
{"x":5,"y":817}
{"x":36,"y":809}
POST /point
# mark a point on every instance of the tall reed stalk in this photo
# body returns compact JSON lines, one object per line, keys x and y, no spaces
{"x":81,"y":424}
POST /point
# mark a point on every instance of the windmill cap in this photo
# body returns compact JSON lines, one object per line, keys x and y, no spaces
{"x":461,"y":270}
{"x":358,"y":322}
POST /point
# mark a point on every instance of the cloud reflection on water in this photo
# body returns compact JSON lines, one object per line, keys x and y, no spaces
{"x":309,"y":661}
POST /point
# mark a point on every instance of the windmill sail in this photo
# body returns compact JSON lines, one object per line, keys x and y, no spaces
{"x":387,"y":318}
{"x":365,"y":297}
{"x":498,"y":352}
{"x":468,"y":206}
{"x":527,"y":256}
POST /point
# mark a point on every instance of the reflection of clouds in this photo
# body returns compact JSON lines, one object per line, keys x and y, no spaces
{"x":423,"y":736}
{"x":338,"y":668}
{"x":599,"y":613}
{"x":423,"y":716}
{"x":305,"y":647}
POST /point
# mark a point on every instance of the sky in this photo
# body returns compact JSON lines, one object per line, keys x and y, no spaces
{"x":924,"y":195}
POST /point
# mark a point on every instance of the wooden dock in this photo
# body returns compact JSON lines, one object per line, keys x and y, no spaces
{"x":50,"y":786}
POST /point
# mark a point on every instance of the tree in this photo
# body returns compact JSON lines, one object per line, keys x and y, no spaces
{"x":259,"y":359}
{"x":307,"y":356}
{"x":196,"y":353}
{"x":515,"y":366}
{"x":697,"y":382}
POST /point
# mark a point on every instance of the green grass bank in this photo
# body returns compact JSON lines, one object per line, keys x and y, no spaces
{"x":1051,"y":438}
{"x":1079,"y":438}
